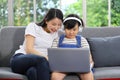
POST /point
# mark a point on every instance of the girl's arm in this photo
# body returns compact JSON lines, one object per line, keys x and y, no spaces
{"x":85,"y":44}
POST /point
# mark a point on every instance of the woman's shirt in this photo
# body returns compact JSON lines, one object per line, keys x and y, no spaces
{"x":43,"y":40}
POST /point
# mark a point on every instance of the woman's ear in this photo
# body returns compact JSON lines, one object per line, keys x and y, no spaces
{"x":45,"y":20}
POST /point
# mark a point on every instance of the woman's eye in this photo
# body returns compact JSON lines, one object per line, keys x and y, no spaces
{"x":53,"y":24}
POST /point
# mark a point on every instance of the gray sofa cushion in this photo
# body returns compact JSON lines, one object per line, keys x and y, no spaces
{"x":100,"y":32}
{"x":10,"y":39}
{"x":105,"y":51}
{"x":6,"y":73}
{"x":106,"y":73}
{"x":72,"y":77}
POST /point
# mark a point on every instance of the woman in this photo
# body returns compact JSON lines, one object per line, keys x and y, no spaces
{"x":31,"y":58}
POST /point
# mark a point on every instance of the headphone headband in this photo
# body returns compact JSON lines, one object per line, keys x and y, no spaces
{"x":72,"y":18}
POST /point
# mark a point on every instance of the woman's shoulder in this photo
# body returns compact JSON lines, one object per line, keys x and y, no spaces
{"x":31,"y":28}
{"x":32,"y":25}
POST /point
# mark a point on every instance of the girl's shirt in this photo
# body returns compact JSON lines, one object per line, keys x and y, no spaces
{"x":43,"y":40}
{"x":84,"y":43}
{"x":70,"y":42}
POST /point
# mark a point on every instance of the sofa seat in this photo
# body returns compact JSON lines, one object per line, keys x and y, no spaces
{"x":72,"y":77}
{"x":11,"y":37}
{"x":107,"y":73}
{"x":7,"y":74}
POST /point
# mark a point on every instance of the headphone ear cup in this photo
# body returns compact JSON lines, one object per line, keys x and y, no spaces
{"x":62,"y":27}
{"x":80,"y":29}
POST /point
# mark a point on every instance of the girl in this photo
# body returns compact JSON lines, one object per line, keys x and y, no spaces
{"x":70,"y":39}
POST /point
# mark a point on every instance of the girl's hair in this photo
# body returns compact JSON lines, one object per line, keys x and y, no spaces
{"x":51,"y":14}
{"x":71,"y":20}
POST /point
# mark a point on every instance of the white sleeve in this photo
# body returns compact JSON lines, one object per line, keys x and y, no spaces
{"x":30,"y":29}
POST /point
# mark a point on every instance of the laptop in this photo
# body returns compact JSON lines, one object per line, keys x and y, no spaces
{"x":69,"y":59}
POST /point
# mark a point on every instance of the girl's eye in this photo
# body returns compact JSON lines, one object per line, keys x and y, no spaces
{"x":74,"y":29}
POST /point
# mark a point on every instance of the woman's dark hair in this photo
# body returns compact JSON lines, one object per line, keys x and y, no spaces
{"x":51,"y":14}
{"x":70,"y":23}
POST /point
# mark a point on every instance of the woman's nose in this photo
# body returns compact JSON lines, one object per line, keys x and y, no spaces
{"x":57,"y":27}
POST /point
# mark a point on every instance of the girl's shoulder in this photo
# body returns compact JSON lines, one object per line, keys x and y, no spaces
{"x":82,"y":38}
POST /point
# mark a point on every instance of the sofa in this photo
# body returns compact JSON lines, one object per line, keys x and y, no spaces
{"x":104,"y":45}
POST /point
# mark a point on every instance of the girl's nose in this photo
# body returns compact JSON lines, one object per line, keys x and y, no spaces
{"x":71,"y":31}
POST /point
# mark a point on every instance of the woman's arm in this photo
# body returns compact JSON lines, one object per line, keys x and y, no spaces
{"x":29,"y":46}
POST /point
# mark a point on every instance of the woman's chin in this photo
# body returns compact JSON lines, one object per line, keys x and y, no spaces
{"x":52,"y":31}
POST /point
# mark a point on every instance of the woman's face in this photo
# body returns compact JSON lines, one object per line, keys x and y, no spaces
{"x":53,"y":25}
{"x":71,"y":33}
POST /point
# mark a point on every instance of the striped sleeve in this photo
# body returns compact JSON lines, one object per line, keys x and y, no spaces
{"x":55,"y":43}
{"x":84,"y":43}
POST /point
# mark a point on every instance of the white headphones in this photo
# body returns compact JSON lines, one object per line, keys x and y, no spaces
{"x":73,"y":18}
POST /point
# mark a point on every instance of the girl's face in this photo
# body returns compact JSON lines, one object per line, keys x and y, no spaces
{"x":53,"y":25}
{"x":71,"y":33}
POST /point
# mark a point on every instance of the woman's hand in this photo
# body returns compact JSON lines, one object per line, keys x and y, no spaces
{"x":46,"y":57}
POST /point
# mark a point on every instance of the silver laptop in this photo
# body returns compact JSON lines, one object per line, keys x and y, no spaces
{"x":69,"y":59}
